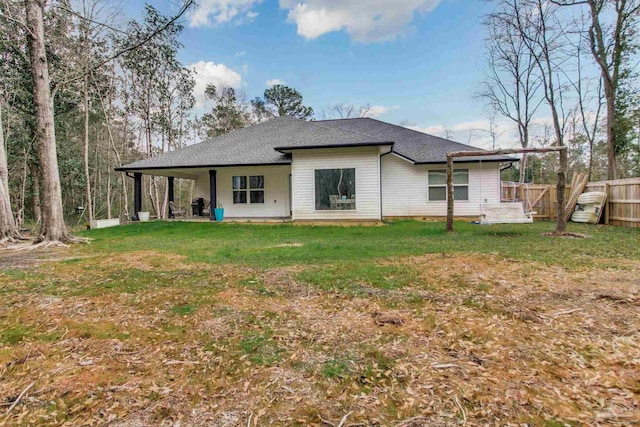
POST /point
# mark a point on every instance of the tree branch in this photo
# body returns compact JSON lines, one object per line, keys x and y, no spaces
{"x":19,"y":22}
{"x":84,"y":18}
{"x":130,"y":48}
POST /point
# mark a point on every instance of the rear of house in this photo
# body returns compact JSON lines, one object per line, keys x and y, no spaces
{"x":351,"y":169}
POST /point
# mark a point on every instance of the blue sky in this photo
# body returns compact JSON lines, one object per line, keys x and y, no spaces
{"x":418,"y":61}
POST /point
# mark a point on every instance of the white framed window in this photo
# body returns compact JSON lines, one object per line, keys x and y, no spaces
{"x":335,"y":189}
{"x":437,"y":182}
{"x":248,"y":189}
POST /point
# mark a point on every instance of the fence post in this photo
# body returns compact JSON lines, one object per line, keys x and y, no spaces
{"x":607,"y":204}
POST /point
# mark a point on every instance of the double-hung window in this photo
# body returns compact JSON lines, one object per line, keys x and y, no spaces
{"x":438,"y":185}
{"x":248,"y":189}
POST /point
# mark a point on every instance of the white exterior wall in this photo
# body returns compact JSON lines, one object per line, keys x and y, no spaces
{"x":365,"y":160}
{"x":405,"y":188}
{"x":276,"y":191}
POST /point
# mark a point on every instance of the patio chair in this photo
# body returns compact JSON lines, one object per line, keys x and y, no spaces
{"x":174,"y":211}
{"x":333,"y":201}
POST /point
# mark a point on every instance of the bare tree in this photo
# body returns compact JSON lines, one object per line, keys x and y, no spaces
{"x":8,"y":228}
{"x":9,"y":231}
{"x":511,"y":84}
{"x":536,"y":23}
{"x":90,"y":32}
{"x":611,"y":45}
{"x":53,"y":226}
{"x":347,"y":111}
{"x":53,"y":230}
{"x":589,"y":93}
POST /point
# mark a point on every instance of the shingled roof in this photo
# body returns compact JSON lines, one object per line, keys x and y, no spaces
{"x":419,"y":147}
{"x":269,"y":143}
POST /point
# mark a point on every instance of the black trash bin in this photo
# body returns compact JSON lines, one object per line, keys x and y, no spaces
{"x":197,"y":206}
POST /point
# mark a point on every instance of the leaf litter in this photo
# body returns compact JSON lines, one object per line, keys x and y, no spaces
{"x":469,"y":340}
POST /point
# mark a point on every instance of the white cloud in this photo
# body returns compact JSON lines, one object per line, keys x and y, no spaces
{"x":379,"y":110}
{"x":380,"y":20}
{"x":476,"y":133}
{"x":209,"y":72}
{"x":217,"y":12}
{"x":274,"y":82}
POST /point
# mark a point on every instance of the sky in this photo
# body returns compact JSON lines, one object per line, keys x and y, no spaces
{"x":419,"y":63}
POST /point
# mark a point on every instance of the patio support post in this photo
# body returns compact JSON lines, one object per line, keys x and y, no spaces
{"x":170,"y":182}
{"x":450,"y":198}
{"x":212,"y":195}
{"x":137,"y":194}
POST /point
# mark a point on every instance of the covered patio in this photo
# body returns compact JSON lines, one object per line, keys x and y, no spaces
{"x":247,"y":193}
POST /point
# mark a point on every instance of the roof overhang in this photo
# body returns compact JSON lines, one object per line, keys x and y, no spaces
{"x":461,"y":160}
{"x":288,"y":149}
{"x":188,"y":171}
{"x":401,"y":156}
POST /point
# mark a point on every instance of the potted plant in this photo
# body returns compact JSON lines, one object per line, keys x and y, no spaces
{"x":219,"y":211}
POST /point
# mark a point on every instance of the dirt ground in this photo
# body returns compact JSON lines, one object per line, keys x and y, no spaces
{"x":23,"y":259}
{"x":472,"y":340}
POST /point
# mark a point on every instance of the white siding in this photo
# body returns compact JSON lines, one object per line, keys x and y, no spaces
{"x":276,"y":191}
{"x":366,"y":162}
{"x":405,"y":188}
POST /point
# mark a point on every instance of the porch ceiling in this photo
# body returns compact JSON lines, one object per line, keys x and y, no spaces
{"x":176,"y":172}
{"x":194,"y":172}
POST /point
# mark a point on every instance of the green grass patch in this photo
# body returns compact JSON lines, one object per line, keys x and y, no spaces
{"x":257,"y":286}
{"x":336,"y":368}
{"x":15,"y":334}
{"x":261,"y":348}
{"x":259,"y":245}
{"x":184,"y":309}
{"x":355,"y":278}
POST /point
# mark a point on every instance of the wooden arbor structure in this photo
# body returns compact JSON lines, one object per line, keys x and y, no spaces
{"x":561,"y":224}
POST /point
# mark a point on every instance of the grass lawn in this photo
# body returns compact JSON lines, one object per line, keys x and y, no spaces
{"x":402,"y":324}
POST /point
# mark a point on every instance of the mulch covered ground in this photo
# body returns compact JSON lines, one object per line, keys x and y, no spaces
{"x":470,"y":340}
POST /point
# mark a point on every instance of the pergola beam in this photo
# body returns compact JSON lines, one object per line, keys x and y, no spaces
{"x":562,"y":150}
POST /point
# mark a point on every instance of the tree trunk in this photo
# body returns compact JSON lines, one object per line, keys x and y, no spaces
{"x":609,"y":70}
{"x":35,"y":198}
{"x":165,"y":197}
{"x":523,"y":168}
{"x":87,"y":173}
{"x":165,"y":200}
{"x":524,"y":142}
{"x":561,"y":223}
{"x":8,"y":228}
{"x":124,"y":205}
{"x":23,"y":191}
{"x":108,"y":183}
{"x":53,"y":227}
{"x":612,"y":170}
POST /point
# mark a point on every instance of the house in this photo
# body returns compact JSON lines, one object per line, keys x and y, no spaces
{"x":349,"y":169}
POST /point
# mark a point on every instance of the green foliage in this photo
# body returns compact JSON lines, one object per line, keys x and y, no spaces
{"x":227,"y":114}
{"x":280,"y":100}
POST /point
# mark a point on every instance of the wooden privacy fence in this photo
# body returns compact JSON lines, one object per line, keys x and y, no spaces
{"x":622,"y":206}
